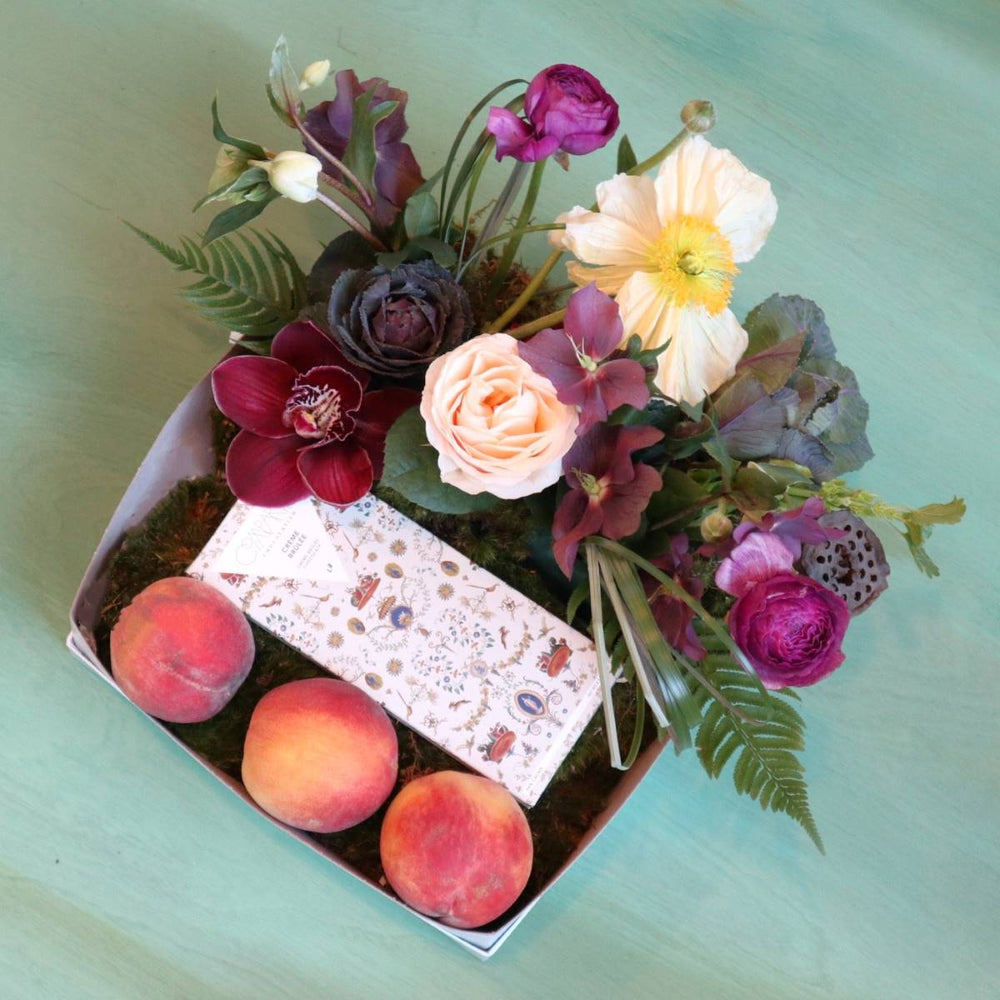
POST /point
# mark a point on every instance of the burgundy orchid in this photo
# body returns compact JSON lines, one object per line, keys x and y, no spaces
{"x":608,"y":491}
{"x":308,"y":426}
{"x":674,"y":617}
{"x":573,"y":359}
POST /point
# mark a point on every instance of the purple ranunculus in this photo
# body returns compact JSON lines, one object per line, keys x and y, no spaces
{"x":795,"y":528}
{"x":308,"y":425}
{"x":567,"y":111}
{"x":790,"y":628}
{"x":573,"y":359}
{"x":397,"y":174}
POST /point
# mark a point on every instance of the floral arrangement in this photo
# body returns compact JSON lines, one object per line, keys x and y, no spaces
{"x":678,"y":472}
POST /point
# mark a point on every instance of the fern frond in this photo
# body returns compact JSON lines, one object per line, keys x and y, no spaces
{"x":765,"y":767}
{"x":251,"y":285}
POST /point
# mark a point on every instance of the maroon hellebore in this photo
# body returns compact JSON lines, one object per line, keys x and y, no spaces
{"x":672,"y":615}
{"x":308,"y":427}
{"x":608,"y":491}
{"x":790,"y":628}
{"x":397,"y":174}
{"x":568,"y":111}
{"x":573,"y":359}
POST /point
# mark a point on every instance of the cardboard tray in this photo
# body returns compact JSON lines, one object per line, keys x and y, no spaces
{"x":183,"y":449}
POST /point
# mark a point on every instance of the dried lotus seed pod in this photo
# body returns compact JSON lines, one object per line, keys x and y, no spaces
{"x":854,"y":567}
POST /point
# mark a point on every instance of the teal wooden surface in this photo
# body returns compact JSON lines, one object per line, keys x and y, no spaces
{"x":126,"y":872}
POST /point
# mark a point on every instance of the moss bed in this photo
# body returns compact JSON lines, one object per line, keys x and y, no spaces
{"x":179,"y":527}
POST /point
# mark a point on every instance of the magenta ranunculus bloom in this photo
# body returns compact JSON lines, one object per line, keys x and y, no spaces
{"x":308,"y":426}
{"x":574,"y":359}
{"x":790,"y":628}
{"x":567,"y":111}
{"x":397,"y":174}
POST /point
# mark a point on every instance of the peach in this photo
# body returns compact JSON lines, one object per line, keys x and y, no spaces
{"x":456,"y":847}
{"x":320,"y":755}
{"x":180,"y":650}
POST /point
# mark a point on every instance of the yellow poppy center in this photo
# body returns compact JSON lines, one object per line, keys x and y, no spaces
{"x":695,"y":262}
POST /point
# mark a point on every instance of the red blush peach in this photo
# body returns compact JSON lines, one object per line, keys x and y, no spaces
{"x":180,"y":650}
{"x":456,"y":847}
{"x":320,"y":755}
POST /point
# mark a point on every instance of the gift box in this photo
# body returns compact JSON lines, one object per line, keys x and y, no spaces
{"x":182,"y":450}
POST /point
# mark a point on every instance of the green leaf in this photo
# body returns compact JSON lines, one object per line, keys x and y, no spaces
{"x":626,"y":156}
{"x":250,"y":148}
{"x":360,"y":157}
{"x":255,"y":177}
{"x":420,"y":214}
{"x":443,"y":254}
{"x":939,"y":513}
{"x":763,"y":742}
{"x":453,"y":152}
{"x":283,"y":85}
{"x":231,"y":219}
{"x":254,"y":287}
{"x":679,"y":492}
{"x":411,"y":468}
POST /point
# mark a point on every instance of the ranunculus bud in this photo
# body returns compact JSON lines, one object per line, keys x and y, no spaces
{"x":396,"y":322}
{"x":716,"y":526}
{"x":293,"y":175}
{"x":790,"y":628}
{"x":567,"y":110}
{"x":314,"y":74}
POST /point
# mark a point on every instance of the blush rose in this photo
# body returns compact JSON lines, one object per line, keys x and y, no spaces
{"x":498,"y":426}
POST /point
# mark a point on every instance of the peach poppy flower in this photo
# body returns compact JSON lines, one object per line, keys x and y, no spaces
{"x":667,"y":249}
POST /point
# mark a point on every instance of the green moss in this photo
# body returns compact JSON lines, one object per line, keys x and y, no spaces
{"x":180,"y":526}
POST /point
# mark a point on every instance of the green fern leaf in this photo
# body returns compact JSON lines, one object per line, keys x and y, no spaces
{"x":766,"y":767}
{"x":253,"y":286}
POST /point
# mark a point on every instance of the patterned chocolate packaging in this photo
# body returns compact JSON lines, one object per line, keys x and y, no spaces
{"x":446,"y":647}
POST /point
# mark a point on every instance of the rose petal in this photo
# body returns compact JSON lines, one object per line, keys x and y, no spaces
{"x":305,"y":345}
{"x":252,"y":392}
{"x":339,"y":472}
{"x":263,"y":471}
{"x":379,"y":411}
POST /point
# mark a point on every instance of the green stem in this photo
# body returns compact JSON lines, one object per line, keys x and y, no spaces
{"x":504,"y":319}
{"x":527,"y":208}
{"x":542,"y":323}
{"x":603,"y":661}
{"x":484,"y":245}
{"x":351,"y":221}
{"x":470,"y":193}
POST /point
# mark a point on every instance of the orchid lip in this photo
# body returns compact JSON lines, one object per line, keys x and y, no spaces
{"x":317,"y":412}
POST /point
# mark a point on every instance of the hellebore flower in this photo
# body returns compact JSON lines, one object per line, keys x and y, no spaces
{"x":667,"y":249}
{"x":573,"y":359}
{"x":308,"y":426}
{"x":397,"y":174}
{"x":568,"y":111}
{"x":674,"y":617}
{"x":790,"y":628}
{"x":396,"y":322}
{"x":294,"y":175}
{"x":608,"y":491}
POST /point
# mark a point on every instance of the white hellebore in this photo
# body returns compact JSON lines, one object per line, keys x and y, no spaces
{"x":667,"y":249}
{"x":314,"y":74}
{"x":293,"y":174}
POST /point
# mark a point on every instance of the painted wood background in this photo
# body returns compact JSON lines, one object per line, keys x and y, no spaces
{"x":126,"y":872}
